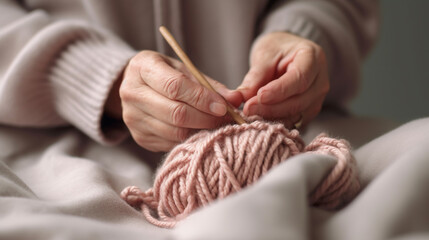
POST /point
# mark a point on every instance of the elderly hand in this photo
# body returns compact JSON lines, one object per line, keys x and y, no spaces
{"x":288,"y":79}
{"x":162,"y":102}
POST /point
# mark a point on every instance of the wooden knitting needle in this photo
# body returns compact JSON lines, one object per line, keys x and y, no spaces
{"x":197,"y":74}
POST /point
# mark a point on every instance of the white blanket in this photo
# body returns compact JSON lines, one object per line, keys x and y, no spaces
{"x":66,"y":187}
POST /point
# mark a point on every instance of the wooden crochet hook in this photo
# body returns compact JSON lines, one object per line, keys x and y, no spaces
{"x":195,"y":72}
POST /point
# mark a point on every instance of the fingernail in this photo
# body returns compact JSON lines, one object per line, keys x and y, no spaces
{"x":218,"y":108}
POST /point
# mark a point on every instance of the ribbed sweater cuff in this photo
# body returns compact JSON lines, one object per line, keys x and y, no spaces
{"x":81,"y":79}
{"x":297,"y":24}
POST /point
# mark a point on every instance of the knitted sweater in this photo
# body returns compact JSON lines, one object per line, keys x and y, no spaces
{"x":59,"y":59}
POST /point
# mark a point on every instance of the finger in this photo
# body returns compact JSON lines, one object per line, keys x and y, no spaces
{"x":152,"y":142}
{"x":290,"y":109}
{"x":299,"y":76}
{"x":178,"y":86}
{"x":261,"y":72}
{"x":163,"y":130}
{"x":232,"y":96}
{"x":293,"y":105}
{"x":150,"y":133}
{"x":173,"y":112}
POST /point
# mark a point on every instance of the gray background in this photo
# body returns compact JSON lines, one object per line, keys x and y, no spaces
{"x":396,"y":74}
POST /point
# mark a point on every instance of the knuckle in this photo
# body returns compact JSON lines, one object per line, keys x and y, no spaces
{"x":145,"y":54}
{"x":125,"y":93}
{"x":128,"y":118}
{"x":134,"y":62}
{"x":137,"y":61}
{"x":179,"y":115}
{"x":172,"y":85}
{"x":314,"y":51}
{"x":308,"y":49}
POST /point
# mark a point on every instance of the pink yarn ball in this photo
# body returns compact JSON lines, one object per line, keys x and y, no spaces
{"x":213,"y":164}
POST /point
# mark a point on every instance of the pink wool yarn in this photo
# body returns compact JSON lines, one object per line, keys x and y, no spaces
{"x":213,"y":164}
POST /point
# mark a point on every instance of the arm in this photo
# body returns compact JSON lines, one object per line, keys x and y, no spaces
{"x":71,"y":72}
{"x":56,"y":73}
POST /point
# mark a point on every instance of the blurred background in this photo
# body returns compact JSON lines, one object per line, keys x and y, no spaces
{"x":396,"y":74}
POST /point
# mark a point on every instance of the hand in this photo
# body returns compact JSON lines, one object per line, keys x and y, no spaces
{"x":288,"y":79}
{"x":162,"y":102}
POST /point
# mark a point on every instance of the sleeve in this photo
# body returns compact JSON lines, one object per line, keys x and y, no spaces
{"x":346,"y":30}
{"x":56,"y":73}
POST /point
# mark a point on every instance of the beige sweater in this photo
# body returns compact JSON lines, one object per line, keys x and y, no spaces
{"x":59,"y":58}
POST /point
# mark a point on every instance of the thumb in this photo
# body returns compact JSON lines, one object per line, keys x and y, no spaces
{"x":258,"y":76}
